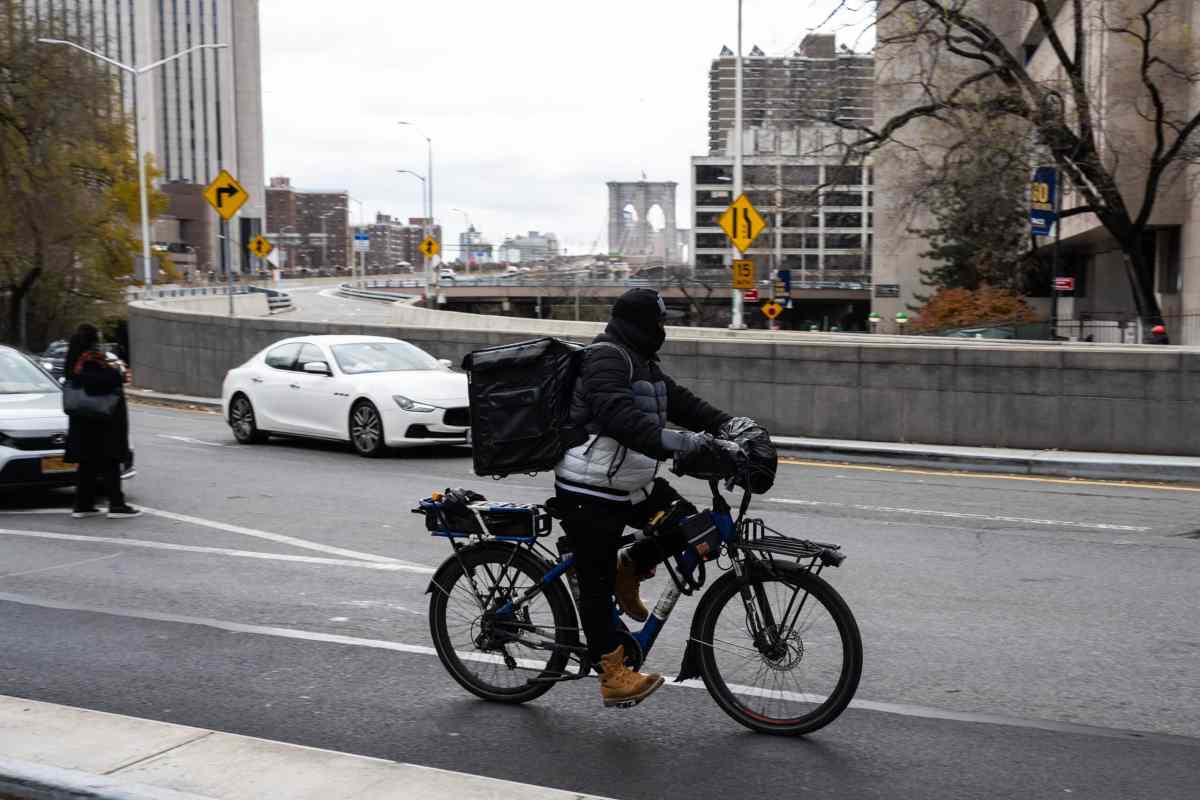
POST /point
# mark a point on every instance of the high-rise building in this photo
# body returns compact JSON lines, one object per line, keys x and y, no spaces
{"x":472,"y":248}
{"x":818,"y":82}
{"x":818,"y":209}
{"x":199,"y":114}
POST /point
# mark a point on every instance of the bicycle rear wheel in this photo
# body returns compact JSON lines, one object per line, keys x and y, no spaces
{"x":499,"y":658}
{"x":780,"y":652}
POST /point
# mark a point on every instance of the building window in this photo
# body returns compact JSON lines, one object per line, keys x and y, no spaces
{"x":761,"y":200}
{"x":843,"y":219}
{"x":801,"y":219}
{"x":707,"y":197}
{"x":843,"y":176}
{"x":710,"y":261}
{"x":801,"y":176}
{"x":848,"y":199}
{"x":713,"y":173}
{"x":760,"y":175}
{"x":848,"y":262}
{"x":711,"y":240}
{"x":843,"y":241}
{"x":707,"y":219}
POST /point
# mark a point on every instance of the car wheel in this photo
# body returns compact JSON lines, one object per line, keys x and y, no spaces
{"x":366,"y":430}
{"x":241,"y":420}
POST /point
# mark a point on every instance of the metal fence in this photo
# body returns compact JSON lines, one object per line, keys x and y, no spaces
{"x":1112,"y":329}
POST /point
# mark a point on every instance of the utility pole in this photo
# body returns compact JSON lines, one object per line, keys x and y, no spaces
{"x":737,"y":322}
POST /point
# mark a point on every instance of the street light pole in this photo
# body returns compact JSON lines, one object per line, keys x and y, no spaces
{"x":137,"y":73}
{"x":429,"y":193}
{"x":426,"y":261}
{"x":354,"y":263}
{"x":737,"y":321}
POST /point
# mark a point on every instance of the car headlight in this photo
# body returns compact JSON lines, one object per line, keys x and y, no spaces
{"x":46,"y":365}
{"x":411,"y":405}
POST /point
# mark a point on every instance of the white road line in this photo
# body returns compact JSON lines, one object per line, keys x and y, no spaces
{"x":222,"y":551}
{"x":257,"y":534}
{"x":59,"y":566}
{"x":904,"y":709}
{"x":277,"y":537}
{"x":1098,"y":526}
{"x":189,"y":440}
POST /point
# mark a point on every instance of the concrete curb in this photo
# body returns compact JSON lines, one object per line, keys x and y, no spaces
{"x":1050,"y":463}
{"x":55,"y":752}
{"x":173,"y":399}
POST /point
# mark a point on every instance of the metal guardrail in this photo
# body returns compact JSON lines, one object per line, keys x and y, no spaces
{"x":584,"y":282}
{"x":188,"y":291}
{"x":277,"y":301}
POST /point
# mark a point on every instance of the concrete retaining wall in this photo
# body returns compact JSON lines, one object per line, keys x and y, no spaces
{"x":1116,"y":399}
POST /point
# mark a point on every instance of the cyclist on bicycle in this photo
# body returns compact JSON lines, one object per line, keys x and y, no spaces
{"x":623,"y":400}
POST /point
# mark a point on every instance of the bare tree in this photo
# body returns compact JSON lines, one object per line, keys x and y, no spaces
{"x":966,"y":63}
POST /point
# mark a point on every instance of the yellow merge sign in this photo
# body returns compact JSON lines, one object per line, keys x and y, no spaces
{"x":742,"y":223}
{"x":743,"y":274}
{"x":261,"y":247}
{"x":429,"y":247}
{"x":226,"y":195}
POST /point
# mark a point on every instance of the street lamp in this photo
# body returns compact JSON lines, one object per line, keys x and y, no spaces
{"x":137,"y":73}
{"x":291,"y":248}
{"x":325,"y":237}
{"x":428,"y":186}
{"x":426,"y":262}
{"x":354,"y":257}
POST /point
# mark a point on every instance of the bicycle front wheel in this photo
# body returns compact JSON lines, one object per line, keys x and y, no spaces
{"x":780,"y":652}
{"x":505,"y":658}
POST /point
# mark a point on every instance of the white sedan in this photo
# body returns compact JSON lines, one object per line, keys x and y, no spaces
{"x":372,"y":391}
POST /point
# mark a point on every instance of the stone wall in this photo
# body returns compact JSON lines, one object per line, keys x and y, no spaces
{"x":1135,"y":399}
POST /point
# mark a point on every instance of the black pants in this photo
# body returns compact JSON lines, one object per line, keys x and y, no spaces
{"x":594,"y":528}
{"x":107,"y":470}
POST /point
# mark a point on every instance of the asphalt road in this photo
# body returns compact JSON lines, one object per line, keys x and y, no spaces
{"x":1024,"y":637}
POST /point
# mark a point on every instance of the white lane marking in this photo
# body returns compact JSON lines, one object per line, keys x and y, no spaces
{"x":276,"y":537}
{"x":189,"y":440}
{"x":224,"y":551}
{"x":1099,"y":526}
{"x":60,"y":566}
{"x":904,"y":709}
{"x":257,"y":534}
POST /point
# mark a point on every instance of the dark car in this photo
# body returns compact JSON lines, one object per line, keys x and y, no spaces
{"x":53,"y":360}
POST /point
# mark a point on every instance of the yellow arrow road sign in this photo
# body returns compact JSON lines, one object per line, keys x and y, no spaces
{"x":226,"y":195}
{"x":743,"y":274}
{"x":429,"y":247}
{"x":742,"y":223}
{"x":261,"y":247}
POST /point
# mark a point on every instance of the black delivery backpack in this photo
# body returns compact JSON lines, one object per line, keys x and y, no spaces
{"x":520,"y":405}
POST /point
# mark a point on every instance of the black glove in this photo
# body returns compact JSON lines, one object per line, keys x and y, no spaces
{"x":702,"y":456}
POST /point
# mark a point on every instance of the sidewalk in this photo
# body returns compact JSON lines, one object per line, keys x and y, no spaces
{"x":48,"y":750}
{"x":1009,"y":461}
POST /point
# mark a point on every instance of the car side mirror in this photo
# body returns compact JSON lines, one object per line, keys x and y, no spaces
{"x":317,"y":368}
{"x":447,"y":363}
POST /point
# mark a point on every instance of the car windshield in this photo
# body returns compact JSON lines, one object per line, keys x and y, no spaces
{"x":360,"y":357}
{"x":19,"y":376}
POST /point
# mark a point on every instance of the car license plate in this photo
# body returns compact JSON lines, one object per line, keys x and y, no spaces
{"x":52,"y":465}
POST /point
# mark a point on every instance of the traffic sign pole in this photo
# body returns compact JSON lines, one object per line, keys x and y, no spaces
{"x":737,"y":322}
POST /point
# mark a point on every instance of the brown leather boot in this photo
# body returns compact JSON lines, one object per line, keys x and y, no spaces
{"x":626,"y":587}
{"x":621,"y":686}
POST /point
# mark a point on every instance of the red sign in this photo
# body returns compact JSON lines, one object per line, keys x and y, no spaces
{"x":1064,"y":284}
{"x":750,"y":295}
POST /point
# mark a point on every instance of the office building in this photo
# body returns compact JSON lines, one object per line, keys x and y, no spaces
{"x":199,"y":114}
{"x":1101,"y":303}
{"x":472,"y":249}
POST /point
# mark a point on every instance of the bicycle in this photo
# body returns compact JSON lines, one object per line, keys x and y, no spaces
{"x":505,"y":624}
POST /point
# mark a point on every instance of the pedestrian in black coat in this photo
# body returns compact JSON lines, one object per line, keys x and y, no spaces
{"x":98,"y":446}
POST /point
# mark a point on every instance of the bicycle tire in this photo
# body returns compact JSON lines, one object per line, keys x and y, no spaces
{"x":458,"y":661}
{"x":727,"y":589}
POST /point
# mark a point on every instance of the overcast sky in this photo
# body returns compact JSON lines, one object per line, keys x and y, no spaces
{"x":532,"y":106}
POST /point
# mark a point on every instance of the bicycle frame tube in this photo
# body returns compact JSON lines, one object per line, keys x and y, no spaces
{"x":550,"y":577}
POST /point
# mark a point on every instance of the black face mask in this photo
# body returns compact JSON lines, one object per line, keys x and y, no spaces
{"x":642,"y":339}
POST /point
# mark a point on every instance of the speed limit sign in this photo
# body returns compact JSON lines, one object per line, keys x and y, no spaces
{"x":743,"y":274}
